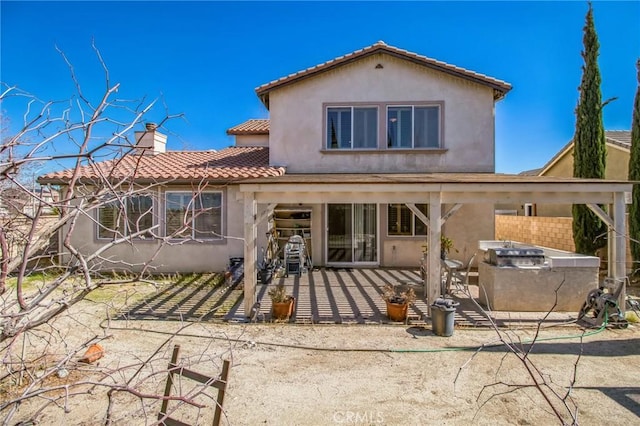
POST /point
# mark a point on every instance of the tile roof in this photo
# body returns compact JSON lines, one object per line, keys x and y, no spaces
{"x":621,"y":138}
{"x":532,"y":172}
{"x":500,"y":87}
{"x":255,"y":126}
{"x":229,"y":164}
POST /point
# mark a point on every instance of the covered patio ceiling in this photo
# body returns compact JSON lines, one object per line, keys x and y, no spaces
{"x":435,"y":189}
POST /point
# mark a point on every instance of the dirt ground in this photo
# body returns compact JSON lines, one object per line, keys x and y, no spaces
{"x":339,"y":374}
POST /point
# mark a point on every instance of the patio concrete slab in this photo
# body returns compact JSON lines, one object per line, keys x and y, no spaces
{"x":353,"y":296}
{"x":323,"y":296}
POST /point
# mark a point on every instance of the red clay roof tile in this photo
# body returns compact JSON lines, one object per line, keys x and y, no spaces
{"x":229,"y":164}
{"x":254,"y":126}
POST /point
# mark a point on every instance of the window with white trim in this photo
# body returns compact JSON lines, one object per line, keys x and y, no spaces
{"x":193,"y":216}
{"x":352,"y":127}
{"x":125,"y":216}
{"x":413,"y":126}
{"x":402,"y":222}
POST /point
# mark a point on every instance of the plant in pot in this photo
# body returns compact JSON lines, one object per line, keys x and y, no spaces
{"x":282,"y":304}
{"x":398,"y":301}
{"x":446,"y":244}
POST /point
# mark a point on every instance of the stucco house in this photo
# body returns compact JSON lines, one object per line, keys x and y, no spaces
{"x":376,"y":152}
{"x":618,"y":150}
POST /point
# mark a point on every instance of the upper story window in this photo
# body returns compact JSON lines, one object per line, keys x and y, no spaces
{"x":402,"y":221}
{"x":125,"y":217}
{"x":193,"y":216}
{"x":352,"y":127}
{"x":413,"y":126}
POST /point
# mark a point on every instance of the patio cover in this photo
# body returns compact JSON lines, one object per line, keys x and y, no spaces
{"x":435,"y":189}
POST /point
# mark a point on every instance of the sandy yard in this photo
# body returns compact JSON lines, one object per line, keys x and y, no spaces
{"x":346,"y":374}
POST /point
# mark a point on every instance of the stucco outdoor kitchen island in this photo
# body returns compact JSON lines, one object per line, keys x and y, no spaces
{"x":527,"y":277}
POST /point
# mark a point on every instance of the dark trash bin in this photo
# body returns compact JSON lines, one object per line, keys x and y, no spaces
{"x":442,"y":316}
{"x":265,"y":275}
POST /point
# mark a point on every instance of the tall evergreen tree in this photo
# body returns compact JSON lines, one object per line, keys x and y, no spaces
{"x":589,"y":148}
{"x":634,"y":175}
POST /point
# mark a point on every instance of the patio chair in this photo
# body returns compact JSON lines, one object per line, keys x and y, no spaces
{"x":460,"y":276}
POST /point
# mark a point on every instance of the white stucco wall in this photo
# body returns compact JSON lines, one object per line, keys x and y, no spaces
{"x":177,"y":256}
{"x":297,"y":119}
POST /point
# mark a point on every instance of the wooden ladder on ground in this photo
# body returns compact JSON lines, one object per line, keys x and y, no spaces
{"x":174,"y":369}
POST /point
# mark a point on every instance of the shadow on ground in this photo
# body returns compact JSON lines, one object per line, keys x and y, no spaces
{"x":628,"y":397}
{"x":323,"y":296}
{"x":190,"y":298}
{"x":604,"y":348}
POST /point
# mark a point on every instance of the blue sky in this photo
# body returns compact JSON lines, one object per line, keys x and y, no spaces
{"x":206,"y":58}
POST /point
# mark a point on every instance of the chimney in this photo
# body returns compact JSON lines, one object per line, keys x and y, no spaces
{"x":151,"y":141}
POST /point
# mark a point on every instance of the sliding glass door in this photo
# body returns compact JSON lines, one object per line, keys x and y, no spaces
{"x":352,"y":234}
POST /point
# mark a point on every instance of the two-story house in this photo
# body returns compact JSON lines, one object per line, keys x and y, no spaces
{"x":373,"y":154}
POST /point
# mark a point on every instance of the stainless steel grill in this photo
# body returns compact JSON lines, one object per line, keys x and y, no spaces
{"x":514,"y":256}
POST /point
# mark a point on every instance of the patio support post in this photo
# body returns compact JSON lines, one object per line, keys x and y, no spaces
{"x":619,"y":246}
{"x":611,"y":245}
{"x":250,"y":251}
{"x":433,"y":275}
{"x":268,"y":211}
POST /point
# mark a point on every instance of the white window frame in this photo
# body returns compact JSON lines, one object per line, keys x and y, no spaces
{"x":327,"y":143}
{"x":191,"y":205}
{"x":413,"y":121}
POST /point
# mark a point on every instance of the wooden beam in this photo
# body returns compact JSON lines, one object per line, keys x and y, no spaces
{"x":403,"y":197}
{"x":346,"y":197}
{"x":424,"y":219}
{"x":450,"y":213}
{"x":433,"y":255}
{"x":560,"y":197}
{"x":445,"y":187}
{"x":601,"y":214}
{"x":250,"y":251}
{"x":266,"y":213}
{"x":620,"y":248}
{"x":611,"y":247}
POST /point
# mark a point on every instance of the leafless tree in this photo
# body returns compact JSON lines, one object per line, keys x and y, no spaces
{"x":38,"y":287}
{"x":557,"y":397}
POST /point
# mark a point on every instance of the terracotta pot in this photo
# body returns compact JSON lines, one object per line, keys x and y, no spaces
{"x":93,"y":353}
{"x":397,"y":311}
{"x":283,"y":310}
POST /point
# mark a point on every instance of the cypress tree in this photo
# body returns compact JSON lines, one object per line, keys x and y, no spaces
{"x":589,"y":148}
{"x":634,"y":175}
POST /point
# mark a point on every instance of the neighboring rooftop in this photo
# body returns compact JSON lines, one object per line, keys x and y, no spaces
{"x":254,"y":126}
{"x":532,"y":172}
{"x":233,"y":163}
{"x":620,"y":138}
{"x":500,"y":88}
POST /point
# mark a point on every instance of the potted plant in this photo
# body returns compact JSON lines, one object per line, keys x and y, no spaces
{"x":398,"y":301}
{"x":282,"y":304}
{"x":446,"y":244}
